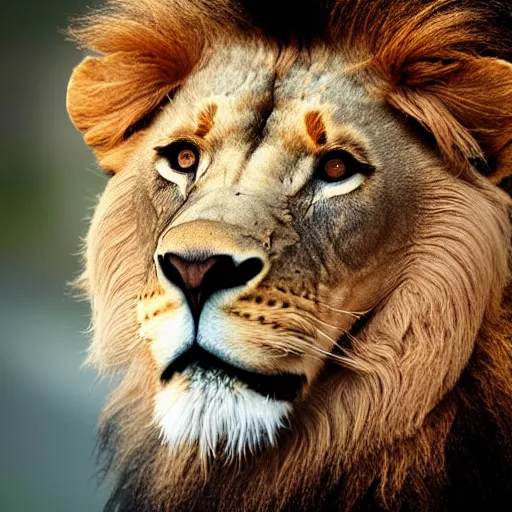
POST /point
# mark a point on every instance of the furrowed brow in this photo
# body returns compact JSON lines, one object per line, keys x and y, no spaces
{"x":206,"y":120}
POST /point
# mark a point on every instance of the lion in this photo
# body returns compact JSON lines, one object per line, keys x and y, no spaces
{"x":300,"y":265}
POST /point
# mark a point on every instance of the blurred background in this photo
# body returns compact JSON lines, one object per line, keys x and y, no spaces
{"x":48,"y":186}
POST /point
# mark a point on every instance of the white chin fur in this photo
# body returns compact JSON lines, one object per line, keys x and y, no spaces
{"x":208,"y":408}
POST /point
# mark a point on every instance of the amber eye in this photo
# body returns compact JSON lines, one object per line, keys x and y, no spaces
{"x":339,"y":165}
{"x":335,"y":168}
{"x":182,"y":155}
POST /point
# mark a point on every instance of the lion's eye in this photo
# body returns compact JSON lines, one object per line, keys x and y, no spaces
{"x":182,"y":156}
{"x":339,"y":165}
{"x":338,"y":173}
{"x":335,"y":168}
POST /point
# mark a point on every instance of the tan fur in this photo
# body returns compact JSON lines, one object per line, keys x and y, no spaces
{"x":380,"y":407}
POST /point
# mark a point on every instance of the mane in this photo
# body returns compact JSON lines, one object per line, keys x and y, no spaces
{"x":443,"y":63}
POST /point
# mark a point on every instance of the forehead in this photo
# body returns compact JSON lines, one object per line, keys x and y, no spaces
{"x":250,"y":90}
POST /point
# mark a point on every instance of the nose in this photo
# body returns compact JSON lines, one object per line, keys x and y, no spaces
{"x":200,"y":277}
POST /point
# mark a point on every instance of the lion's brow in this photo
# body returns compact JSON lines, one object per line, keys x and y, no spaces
{"x":206,"y":120}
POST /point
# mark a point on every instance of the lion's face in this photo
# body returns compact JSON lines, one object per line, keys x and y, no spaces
{"x":299,"y":262}
{"x":247,"y":254}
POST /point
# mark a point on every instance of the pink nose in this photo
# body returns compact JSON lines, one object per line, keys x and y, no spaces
{"x":192,"y":274}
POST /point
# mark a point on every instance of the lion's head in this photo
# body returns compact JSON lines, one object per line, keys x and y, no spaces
{"x":302,"y":248}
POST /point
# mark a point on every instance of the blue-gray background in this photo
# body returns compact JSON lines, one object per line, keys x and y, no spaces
{"x":48,"y":186}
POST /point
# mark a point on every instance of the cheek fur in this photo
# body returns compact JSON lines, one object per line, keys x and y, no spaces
{"x":119,"y":254}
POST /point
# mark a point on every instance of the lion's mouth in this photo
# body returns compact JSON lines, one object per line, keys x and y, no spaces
{"x":283,"y":386}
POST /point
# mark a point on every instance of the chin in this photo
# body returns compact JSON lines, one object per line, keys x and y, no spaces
{"x":218,"y":413}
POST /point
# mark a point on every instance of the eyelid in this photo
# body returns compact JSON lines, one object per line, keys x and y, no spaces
{"x":160,"y":148}
{"x":357,"y":153}
{"x":341,"y":188}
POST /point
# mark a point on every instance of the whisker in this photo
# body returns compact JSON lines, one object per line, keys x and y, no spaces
{"x":344,"y":331}
{"x":314,"y":319}
{"x":349,"y":335}
{"x":309,"y":349}
{"x":315,"y":348}
{"x":356,"y":314}
{"x":333,"y":357}
{"x":300,"y":348}
{"x":335,"y":343}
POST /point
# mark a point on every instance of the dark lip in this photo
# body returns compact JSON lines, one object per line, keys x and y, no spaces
{"x":282,"y":386}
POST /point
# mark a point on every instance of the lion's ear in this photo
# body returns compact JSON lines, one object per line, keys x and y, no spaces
{"x":429,"y":67}
{"x":108,"y":96}
{"x":469,"y":110}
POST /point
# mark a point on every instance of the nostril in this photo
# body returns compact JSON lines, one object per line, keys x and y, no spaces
{"x":248,"y":270}
{"x":171,"y":273}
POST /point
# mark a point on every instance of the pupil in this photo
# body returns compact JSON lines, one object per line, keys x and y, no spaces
{"x":335,"y":168}
{"x":186,"y":158}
